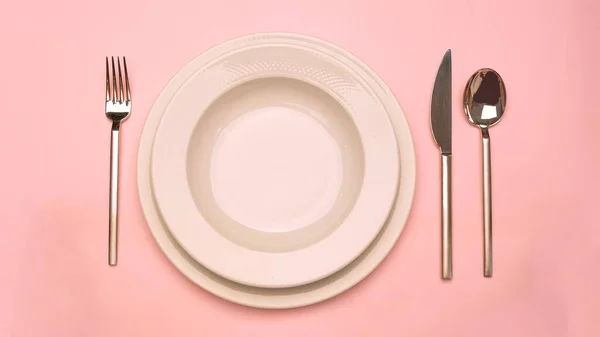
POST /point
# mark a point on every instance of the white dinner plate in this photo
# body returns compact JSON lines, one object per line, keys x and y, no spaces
{"x":275,"y":164}
{"x":285,"y":297}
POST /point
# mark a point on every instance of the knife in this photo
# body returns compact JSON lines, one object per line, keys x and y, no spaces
{"x":441,"y":126}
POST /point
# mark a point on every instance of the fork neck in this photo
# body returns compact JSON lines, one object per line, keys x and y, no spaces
{"x":116,"y":125}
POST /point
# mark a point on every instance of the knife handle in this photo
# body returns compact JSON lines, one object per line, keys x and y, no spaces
{"x":446,"y":216}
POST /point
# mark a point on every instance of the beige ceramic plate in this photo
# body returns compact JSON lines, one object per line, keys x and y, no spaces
{"x":295,"y":296}
{"x":275,"y":164}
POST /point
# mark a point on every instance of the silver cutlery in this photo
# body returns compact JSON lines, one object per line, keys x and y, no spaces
{"x":484,"y":104}
{"x":441,"y":126}
{"x":118,"y":108}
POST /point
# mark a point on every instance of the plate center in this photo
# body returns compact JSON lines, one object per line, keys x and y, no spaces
{"x":276,"y":169}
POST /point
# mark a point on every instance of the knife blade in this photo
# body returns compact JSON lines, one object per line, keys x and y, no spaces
{"x":441,"y":105}
{"x":441,"y":126}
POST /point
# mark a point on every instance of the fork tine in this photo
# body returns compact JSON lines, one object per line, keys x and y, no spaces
{"x":107,"y":82}
{"x":114,"y":81}
{"x":121,"y":94}
{"x":127,"y":91}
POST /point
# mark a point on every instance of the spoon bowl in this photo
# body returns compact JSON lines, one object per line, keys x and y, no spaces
{"x":484,"y":104}
{"x":485,"y":98}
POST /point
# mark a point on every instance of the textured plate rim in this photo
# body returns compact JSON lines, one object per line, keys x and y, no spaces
{"x":275,"y":269}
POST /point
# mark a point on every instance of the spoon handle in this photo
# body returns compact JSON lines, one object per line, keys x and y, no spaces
{"x":446,"y":217}
{"x":487,"y":204}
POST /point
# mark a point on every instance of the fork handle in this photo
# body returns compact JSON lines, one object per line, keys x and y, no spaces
{"x":113,"y":194}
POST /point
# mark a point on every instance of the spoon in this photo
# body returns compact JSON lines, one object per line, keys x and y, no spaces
{"x":484,"y":103}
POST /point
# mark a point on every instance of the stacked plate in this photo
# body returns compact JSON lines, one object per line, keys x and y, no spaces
{"x":276,"y":170}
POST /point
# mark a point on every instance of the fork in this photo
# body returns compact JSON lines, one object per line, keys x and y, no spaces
{"x":118,"y":108}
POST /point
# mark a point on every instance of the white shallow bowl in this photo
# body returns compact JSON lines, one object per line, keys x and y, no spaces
{"x":275,"y":165}
{"x":308,"y":293}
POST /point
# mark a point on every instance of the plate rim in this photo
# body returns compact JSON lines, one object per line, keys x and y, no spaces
{"x":368,"y":261}
{"x":374,"y":204}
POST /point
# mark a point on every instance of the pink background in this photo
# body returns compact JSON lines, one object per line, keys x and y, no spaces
{"x":55,"y":141}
